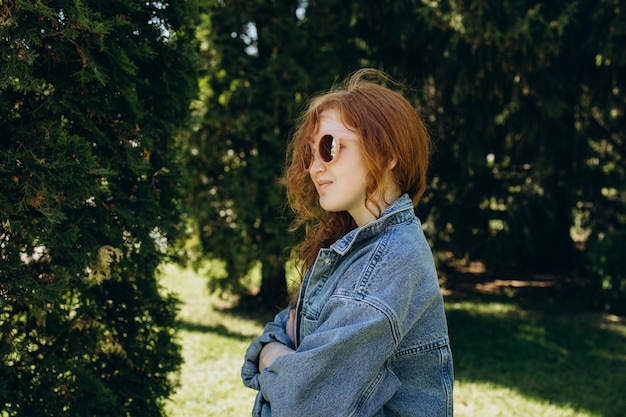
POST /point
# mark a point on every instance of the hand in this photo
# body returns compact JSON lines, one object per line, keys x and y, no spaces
{"x":271,"y":352}
{"x":290,"y":327}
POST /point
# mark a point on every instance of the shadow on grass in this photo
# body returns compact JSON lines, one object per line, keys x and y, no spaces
{"x":249,"y":308}
{"x":569,"y":361}
{"x":529,"y":339}
{"x":217,"y":329}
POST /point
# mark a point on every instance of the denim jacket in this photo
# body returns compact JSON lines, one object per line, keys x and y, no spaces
{"x":372,"y":336}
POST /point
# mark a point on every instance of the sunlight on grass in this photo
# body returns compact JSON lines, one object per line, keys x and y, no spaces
{"x":213,"y":347}
{"x":507,"y":362}
{"x":473,"y":399}
{"x":484,"y":308}
{"x":512,"y":362}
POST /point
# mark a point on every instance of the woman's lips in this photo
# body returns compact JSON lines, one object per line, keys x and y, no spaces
{"x":321,"y":185}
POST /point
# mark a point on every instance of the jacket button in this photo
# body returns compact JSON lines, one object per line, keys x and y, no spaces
{"x":327,"y":261}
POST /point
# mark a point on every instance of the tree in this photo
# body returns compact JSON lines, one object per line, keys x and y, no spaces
{"x":92,"y":98}
{"x":504,"y":85}
{"x":602,"y":207}
{"x":509,"y":64}
{"x":263,"y":62}
{"x":526,"y":105}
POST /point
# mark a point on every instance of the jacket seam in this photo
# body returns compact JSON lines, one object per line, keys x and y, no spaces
{"x":377,"y":255}
{"x":423,"y":348}
{"x":374,"y":303}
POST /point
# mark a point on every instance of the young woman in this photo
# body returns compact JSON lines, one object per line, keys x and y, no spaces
{"x":367,"y":333}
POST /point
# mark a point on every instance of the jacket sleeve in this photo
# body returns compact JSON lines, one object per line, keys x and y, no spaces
{"x":273,"y":332}
{"x":339,"y":369}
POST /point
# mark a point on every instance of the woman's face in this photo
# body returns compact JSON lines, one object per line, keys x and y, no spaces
{"x":340,"y":183}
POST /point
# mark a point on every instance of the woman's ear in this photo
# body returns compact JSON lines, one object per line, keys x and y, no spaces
{"x":392,"y":164}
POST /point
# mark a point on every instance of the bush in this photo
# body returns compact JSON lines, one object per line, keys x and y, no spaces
{"x":91,"y":100}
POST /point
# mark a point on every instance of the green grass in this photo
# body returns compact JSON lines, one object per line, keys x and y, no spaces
{"x":509,"y":361}
{"x":213,"y":344}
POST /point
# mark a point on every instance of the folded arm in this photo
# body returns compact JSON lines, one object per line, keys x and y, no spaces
{"x":274,"y":332}
{"x":342,"y":362}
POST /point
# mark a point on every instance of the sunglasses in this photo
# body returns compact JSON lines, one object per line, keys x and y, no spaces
{"x":327,"y":150}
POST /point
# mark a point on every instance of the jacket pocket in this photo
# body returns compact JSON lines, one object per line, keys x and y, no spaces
{"x":308,"y":325}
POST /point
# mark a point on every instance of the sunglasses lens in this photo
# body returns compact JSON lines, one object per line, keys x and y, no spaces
{"x":327,"y":148}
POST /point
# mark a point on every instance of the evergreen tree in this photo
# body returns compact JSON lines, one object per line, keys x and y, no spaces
{"x":92,"y":98}
{"x":526,"y":105}
{"x":264,"y":59}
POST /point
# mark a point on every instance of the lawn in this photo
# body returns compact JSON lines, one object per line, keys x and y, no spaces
{"x":510,"y":360}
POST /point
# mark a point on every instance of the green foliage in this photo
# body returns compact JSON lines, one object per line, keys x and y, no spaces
{"x":525,"y":102}
{"x":92,"y":97}
{"x":530,"y":127}
{"x":607,"y":270}
{"x":264,"y":60}
{"x":254,"y":88}
{"x":498,"y":91}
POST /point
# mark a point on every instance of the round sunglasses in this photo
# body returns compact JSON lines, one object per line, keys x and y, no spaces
{"x":327,"y":150}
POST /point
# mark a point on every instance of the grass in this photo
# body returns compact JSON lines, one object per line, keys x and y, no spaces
{"x":514,"y":363}
{"x":213,"y":344}
{"x":510,"y":360}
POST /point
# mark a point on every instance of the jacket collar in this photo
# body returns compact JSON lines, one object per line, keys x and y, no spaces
{"x":400,"y":211}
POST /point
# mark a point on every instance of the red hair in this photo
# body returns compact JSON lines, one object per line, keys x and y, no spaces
{"x":392,"y":135}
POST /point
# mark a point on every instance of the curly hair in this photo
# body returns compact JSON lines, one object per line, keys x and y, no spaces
{"x":393,"y":136}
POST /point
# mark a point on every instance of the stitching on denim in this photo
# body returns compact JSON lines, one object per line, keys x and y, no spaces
{"x":372,"y":263}
{"x":376,"y":304}
{"x":369,"y":391}
{"x":418,"y":349}
{"x":404,"y":212}
{"x":445,"y":363}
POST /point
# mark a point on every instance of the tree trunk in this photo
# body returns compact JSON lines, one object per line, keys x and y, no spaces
{"x":273,"y":293}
